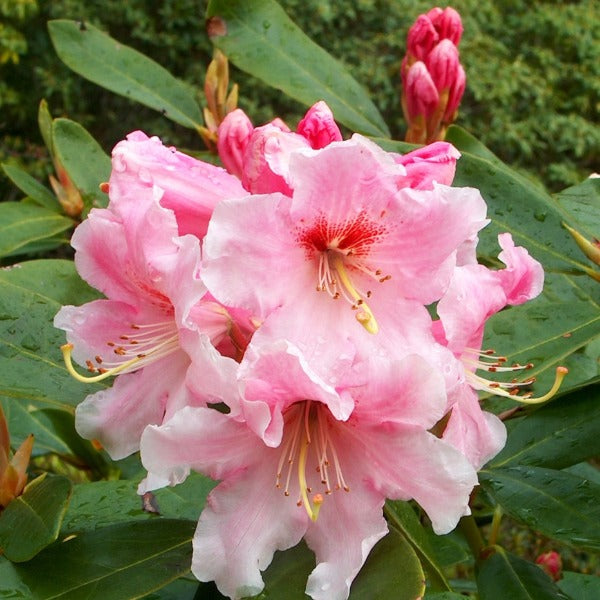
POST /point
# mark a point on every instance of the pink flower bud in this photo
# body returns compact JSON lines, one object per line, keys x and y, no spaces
{"x":551,"y":563}
{"x":266,"y":160}
{"x":435,"y":162}
{"x":319,"y":127}
{"x":422,"y":37}
{"x":442,"y":64}
{"x":448,"y":24}
{"x":233,"y":136}
{"x":280,"y":124}
{"x":421,"y":95}
{"x":456,"y":93}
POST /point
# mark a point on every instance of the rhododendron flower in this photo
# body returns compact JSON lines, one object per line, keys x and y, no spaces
{"x":349,"y":235}
{"x":476,"y":293}
{"x":156,"y":307}
{"x":190,"y":187}
{"x":330,"y":454}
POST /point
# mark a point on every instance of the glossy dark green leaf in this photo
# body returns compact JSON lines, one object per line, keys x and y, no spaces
{"x":123,"y":70}
{"x":184,"y":588}
{"x":392,"y":570}
{"x":403,"y":517}
{"x":11,"y":585}
{"x":22,"y":223}
{"x":32,"y":372}
{"x":559,"y":504}
{"x":32,"y":521}
{"x":582,"y":203}
{"x":101,"y":503}
{"x":557,"y":435}
{"x":259,"y":38}
{"x":40,"y":194}
{"x":504,"y":575}
{"x":444,"y":596}
{"x":580,"y":587}
{"x":119,"y":562}
{"x":83,"y":159}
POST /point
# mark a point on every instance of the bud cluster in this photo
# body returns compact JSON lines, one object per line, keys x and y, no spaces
{"x":433,"y":80}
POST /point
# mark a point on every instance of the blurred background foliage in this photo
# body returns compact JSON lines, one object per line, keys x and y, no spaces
{"x":533,"y":74}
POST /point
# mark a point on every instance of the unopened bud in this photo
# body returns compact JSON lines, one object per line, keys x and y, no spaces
{"x":447,"y":23}
{"x":319,"y":127}
{"x":551,"y":563}
{"x":233,"y":136}
{"x":435,"y":162}
{"x":422,"y":37}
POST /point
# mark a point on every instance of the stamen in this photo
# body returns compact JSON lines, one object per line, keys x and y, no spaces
{"x":67,"y":350}
{"x":364,"y":316}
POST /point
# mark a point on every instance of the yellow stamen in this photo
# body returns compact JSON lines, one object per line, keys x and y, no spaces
{"x":312,"y":509}
{"x":561,"y":372}
{"x":67,"y":350}
{"x":364,"y":315}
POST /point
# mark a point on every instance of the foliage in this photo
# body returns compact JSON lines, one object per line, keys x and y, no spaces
{"x":97,"y":538}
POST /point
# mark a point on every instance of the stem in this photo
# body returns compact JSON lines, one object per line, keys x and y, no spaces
{"x":496,"y":519}
{"x":471,"y":533}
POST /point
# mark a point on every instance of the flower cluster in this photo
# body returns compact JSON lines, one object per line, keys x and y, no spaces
{"x":291,"y":293}
{"x":433,"y":80}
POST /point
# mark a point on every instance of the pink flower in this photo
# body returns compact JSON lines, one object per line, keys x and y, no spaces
{"x":347,"y":242}
{"x":447,"y":23}
{"x":156,"y":310}
{"x":330,"y":454}
{"x":190,"y":187}
{"x":551,"y":563}
{"x":475,"y":293}
{"x":233,"y":137}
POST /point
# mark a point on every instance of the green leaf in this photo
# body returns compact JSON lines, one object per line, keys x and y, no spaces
{"x":556,"y":503}
{"x":22,"y":223}
{"x":93,"y":504}
{"x":392,"y":570}
{"x":582,"y":202}
{"x":123,"y":70}
{"x":32,"y":372}
{"x":184,"y":588}
{"x":403,"y":517}
{"x":84,"y":160}
{"x":580,"y":587}
{"x":11,"y":585}
{"x":32,"y":521}
{"x":259,"y":38}
{"x":444,"y":596}
{"x":118,"y":562}
{"x":40,"y":194}
{"x":504,"y":575}
{"x":558,"y":435}
{"x":467,"y":142}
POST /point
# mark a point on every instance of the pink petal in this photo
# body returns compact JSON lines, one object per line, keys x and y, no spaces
{"x":523,"y":278}
{"x":249,"y":241}
{"x":233,"y":136}
{"x":348,"y":526}
{"x":191,"y":188}
{"x":276,"y":376}
{"x":435,"y":162}
{"x":118,"y":415}
{"x":477,"y":434}
{"x":406,"y":463}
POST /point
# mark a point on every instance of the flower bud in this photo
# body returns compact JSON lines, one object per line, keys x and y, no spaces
{"x":266,"y":159}
{"x":420,"y":92}
{"x":442,"y":64}
{"x":455,"y":96}
{"x":319,"y":127}
{"x":551,"y":563}
{"x":233,"y":136}
{"x":422,"y":37}
{"x":435,"y":162}
{"x":447,"y":23}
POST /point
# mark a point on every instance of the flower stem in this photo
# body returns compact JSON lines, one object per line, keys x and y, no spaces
{"x":471,"y":533}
